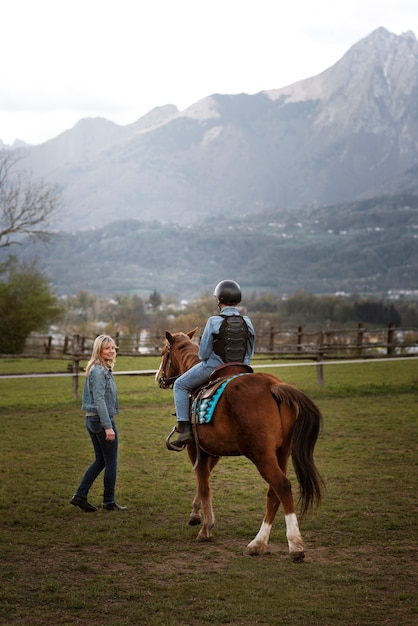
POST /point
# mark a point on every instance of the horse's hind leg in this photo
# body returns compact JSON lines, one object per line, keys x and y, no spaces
{"x":202,"y":510}
{"x":259,"y":544}
{"x":280,"y":490}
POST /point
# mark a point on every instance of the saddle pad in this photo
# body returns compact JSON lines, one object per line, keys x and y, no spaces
{"x":202,"y":410}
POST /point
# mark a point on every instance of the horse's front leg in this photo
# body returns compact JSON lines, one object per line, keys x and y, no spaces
{"x":202,"y":511}
{"x":195,"y":517}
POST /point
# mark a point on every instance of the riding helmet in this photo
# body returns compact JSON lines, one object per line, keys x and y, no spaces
{"x":228,"y":292}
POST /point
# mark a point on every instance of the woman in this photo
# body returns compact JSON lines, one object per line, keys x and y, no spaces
{"x":100,"y":401}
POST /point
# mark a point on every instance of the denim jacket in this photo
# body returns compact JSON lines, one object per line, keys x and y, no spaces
{"x":100,"y":396}
{"x":206,"y":353}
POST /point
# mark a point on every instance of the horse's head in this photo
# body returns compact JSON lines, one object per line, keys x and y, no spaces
{"x":178,"y":354}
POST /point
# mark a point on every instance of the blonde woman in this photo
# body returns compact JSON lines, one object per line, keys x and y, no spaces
{"x":100,"y":402}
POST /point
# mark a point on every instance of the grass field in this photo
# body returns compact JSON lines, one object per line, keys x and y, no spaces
{"x":143,"y":565}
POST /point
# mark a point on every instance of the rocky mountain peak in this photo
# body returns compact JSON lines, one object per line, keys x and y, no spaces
{"x":372,"y":85}
{"x":391,"y":58}
{"x":330,"y":138}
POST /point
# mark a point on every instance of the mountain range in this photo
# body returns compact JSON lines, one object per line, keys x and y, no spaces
{"x":219,"y":179}
{"x":364,"y":247}
{"x":344,"y":134}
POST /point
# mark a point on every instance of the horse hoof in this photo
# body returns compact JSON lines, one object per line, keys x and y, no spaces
{"x":254,"y":550}
{"x":297,"y":557}
{"x":248,"y":552}
{"x":195,"y":520}
{"x":203,"y":538}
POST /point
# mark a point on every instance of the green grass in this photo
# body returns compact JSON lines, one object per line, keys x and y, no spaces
{"x":143,"y":566}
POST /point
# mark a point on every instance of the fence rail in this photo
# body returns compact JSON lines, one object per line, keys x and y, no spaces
{"x":320,"y":346}
{"x":359,"y":342}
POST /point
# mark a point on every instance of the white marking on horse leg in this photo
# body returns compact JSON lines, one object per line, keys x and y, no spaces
{"x":208,"y":521}
{"x":294,"y":538}
{"x":195,"y":516}
{"x":259,"y":544}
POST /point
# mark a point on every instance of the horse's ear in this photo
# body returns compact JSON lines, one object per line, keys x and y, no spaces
{"x":192,"y":332}
{"x":169,"y":337}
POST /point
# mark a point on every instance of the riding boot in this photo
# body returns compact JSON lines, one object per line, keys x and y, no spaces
{"x":186,"y":437}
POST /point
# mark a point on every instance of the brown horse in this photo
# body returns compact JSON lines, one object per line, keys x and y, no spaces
{"x":267,"y":421}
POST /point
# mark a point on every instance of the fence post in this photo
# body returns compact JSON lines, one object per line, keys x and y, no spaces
{"x":300,"y":336}
{"x":76,"y":364}
{"x":360,"y":336}
{"x":271,"y":340}
{"x":391,"y":339}
{"x":48,"y":345}
{"x":320,"y":360}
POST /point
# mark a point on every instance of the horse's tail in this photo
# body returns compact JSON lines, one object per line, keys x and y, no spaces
{"x":306,"y":430}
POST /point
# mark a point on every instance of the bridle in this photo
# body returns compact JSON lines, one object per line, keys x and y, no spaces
{"x":165,"y":381}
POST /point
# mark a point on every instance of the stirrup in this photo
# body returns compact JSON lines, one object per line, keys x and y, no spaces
{"x":171,"y":446}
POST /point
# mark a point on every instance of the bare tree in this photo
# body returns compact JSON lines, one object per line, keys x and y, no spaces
{"x":25,"y":205}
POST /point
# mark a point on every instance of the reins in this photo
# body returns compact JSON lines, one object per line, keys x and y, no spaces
{"x":167,"y":381}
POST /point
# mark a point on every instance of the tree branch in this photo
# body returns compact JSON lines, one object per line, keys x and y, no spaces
{"x":25,"y":206}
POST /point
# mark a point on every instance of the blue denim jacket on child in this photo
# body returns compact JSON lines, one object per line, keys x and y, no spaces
{"x":100,"y":396}
{"x":213,"y":325}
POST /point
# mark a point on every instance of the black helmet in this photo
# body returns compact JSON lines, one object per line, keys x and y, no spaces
{"x":228,"y":292}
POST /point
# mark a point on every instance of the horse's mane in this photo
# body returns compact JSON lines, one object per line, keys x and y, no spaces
{"x":187,"y":349}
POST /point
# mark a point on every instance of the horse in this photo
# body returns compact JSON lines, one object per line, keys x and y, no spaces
{"x":264,"y":419}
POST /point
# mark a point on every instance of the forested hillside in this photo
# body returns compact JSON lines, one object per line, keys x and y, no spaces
{"x":363,"y":247}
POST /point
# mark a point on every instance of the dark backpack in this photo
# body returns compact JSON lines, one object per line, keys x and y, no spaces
{"x":231,"y":341}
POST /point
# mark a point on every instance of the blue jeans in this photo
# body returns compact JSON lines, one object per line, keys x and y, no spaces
{"x":198,"y":375}
{"x":106,"y":453}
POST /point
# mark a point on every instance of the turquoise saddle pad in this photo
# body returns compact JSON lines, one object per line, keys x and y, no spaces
{"x":204,"y":408}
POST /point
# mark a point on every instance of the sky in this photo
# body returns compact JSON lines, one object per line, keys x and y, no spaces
{"x":64,"y":60}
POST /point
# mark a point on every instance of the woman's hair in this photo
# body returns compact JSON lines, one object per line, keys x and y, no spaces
{"x":96,"y":359}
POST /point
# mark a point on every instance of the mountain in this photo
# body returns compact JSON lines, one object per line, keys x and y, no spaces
{"x":312,"y":186}
{"x":340,"y":136}
{"x":368,"y":246}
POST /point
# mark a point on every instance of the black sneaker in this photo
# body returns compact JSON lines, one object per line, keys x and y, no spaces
{"x":185,"y":431}
{"x":83,"y":504}
{"x":113,"y":506}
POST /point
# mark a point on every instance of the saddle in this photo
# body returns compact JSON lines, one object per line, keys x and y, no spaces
{"x":230,"y":369}
{"x":226,"y":370}
{"x":204,"y":399}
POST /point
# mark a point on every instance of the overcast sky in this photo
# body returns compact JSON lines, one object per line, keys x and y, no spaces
{"x":63,"y":60}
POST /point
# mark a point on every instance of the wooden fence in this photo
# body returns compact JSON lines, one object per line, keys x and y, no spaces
{"x":339,"y":344}
{"x":359,"y":342}
{"x":319,"y":346}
